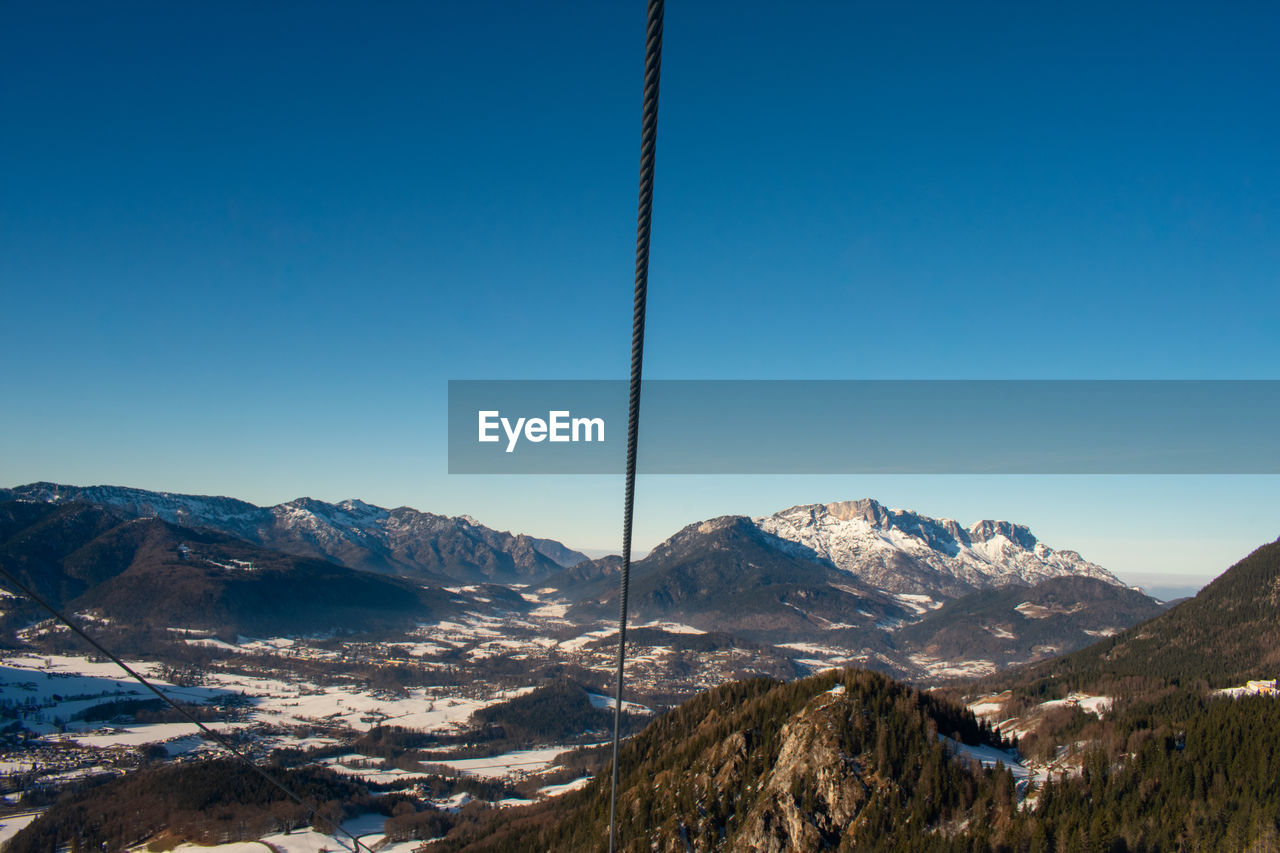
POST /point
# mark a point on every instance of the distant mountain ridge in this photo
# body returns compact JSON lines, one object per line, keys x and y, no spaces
{"x":902,"y":551}
{"x":888,"y":587}
{"x":401,"y":541}
{"x":918,"y":599}
{"x":144,"y":571}
{"x":731,"y":574}
{"x":1016,"y":624}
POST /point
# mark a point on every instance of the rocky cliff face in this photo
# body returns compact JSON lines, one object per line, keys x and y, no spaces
{"x":811,"y":761}
{"x":904,"y":552}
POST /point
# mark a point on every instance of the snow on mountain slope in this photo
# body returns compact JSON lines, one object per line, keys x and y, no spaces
{"x":227,"y":514}
{"x":356,"y":534}
{"x":904,"y":552}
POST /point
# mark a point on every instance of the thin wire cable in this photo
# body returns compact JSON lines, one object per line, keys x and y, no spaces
{"x":644,"y":219}
{"x":218,"y":738}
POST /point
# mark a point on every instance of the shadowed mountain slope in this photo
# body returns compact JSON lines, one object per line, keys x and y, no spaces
{"x":146,"y":571}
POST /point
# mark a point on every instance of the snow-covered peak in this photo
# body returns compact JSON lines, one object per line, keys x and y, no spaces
{"x":904,"y":552}
{"x":173,"y":508}
{"x":308,"y":512}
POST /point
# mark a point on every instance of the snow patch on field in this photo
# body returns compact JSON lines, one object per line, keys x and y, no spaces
{"x":577,"y":643}
{"x":813,"y":649}
{"x":144,"y":734}
{"x":354,"y":765}
{"x":936,"y":668}
{"x":557,"y":790}
{"x":519,"y":764}
{"x":368,"y":828}
{"x":13,"y":824}
{"x":988,"y":756}
{"x":990,"y":706}
{"x":598,"y":701}
{"x":270,"y":700}
{"x":673,"y":627}
{"x":1096,"y":705}
{"x":921,"y":604}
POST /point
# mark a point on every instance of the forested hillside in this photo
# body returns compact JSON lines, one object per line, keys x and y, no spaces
{"x":1227,"y":634}
{"x":840,"y":759}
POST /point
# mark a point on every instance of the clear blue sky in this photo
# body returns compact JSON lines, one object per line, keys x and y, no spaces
{"x":243,"y":246}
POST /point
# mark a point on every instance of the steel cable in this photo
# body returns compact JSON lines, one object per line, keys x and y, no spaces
{"x":644,"y":219}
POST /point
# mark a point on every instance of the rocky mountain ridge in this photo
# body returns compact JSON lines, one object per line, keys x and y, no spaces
{"x":902,"y":551}
{"x":730,"y":574}
{"x":401,"y":541}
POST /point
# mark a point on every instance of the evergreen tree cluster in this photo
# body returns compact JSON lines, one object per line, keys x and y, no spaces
{"x":558,"y":712}
{"x":1182,"y":772}
{"x":207,"y":802}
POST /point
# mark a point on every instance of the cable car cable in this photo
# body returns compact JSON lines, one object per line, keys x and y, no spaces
{"x":644,"y":219}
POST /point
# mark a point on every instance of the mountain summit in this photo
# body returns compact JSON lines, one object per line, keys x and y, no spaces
{"x":901,"y":551}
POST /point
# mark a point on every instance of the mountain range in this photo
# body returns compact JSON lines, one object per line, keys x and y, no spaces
{"x":401,"y":541}
{"x":904,"y":591}
{"x":893,"y":588}
{"x":148,"y":572}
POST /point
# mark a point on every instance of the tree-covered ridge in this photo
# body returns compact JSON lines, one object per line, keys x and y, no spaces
{"x":1018,"y":623}
{"x":1181,"y":772}
{"x":1227,"y":634}
{"x":763,"y":766}
{"x":558,"y":712}
{"x":832,"y":761}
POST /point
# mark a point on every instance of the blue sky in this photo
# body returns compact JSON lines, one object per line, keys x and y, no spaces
{"x":244,"y":246}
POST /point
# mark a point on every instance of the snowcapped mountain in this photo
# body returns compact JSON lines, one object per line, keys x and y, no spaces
{"x":226,"y":514}
{"x":907,"y":553}
{"x":400,"y":541}
{"x":726,"y":574}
